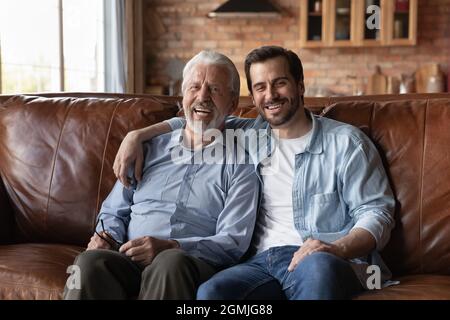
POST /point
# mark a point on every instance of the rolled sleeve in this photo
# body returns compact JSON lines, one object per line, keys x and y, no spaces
{"x":368,"y":194}
{"x":376,"y":225}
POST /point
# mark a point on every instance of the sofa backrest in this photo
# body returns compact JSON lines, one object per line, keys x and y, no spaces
{"x":413,"y":137}
{"x":56,"y":157}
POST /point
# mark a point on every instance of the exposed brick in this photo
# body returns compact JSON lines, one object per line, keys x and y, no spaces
{"x":189,"y":30}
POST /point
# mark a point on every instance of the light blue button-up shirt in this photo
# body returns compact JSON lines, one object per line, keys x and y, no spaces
{"x":210,"y":209}
{"x":339,"y":184}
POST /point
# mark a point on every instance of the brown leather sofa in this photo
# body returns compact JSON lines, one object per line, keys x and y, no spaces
{"x":57,"y":150}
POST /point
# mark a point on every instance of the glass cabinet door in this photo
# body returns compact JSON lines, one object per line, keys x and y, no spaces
{"x":372,"y":22}
{"x":342,"y":20}
{"x":401,"y":26}
{"x":351,"y":23}
{"x":313,"y":31}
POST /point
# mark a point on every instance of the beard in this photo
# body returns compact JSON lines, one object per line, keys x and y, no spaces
{"x":289,"y":107}
{"x":200,"y":126}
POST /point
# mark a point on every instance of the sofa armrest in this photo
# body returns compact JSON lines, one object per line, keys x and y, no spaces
{"x":7,"y":224}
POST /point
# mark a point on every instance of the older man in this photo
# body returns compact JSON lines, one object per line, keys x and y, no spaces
{"x":184,"y":220}
{"x":327,"y":207}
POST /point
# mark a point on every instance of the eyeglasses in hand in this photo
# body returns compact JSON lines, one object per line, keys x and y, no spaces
{"x":107,"y":237}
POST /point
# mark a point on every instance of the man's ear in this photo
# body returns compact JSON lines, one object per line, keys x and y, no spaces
{"x":301,"y":88}
{"x":253,"y":99}
{"x":234,"y":105}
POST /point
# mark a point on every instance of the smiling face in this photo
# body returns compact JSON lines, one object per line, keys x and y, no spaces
{"x":275,"y":93}
{"x":207,"y":98}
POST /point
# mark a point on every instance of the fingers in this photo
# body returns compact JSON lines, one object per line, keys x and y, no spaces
{"x":143,"y":259}
{"x":98,"y":243}
{"x":138,"y":166}
{"x":139,"y":250}
{"x":123,"y":176}
{"x":298,"y":256}
{"x":309,"y":247}
{"x":130,"y":151}
{"x":131,"y":245}
{"x":116,"y":166}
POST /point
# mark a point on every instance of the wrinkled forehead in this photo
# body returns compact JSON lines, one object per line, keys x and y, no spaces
{"x":209,"y":73}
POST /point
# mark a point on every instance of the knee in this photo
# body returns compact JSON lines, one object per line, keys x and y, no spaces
{"x":321,"y":265}
{"x":167,"y":263}
{"x":89,"y":262}
{"x":212,"y":289}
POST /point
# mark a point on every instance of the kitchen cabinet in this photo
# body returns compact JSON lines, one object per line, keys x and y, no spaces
{"x":356,"y":23}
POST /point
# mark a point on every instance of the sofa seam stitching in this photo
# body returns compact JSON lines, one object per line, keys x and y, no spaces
{"x":103,"y":159}
{"x":54,"y":162}
{"x":372,"y":115}
{"x":421,"y":186}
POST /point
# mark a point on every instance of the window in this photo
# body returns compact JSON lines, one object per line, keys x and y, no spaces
{"x":51,"y":45}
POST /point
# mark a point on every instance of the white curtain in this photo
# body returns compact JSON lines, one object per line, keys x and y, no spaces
{"x":115,"y":46}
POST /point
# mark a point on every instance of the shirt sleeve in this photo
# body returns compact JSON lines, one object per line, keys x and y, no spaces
{"x":176,"y":123}
{"x":367,"y":192}
{"x":115,"y":212}
{"x":231,"y":122}
{"x":235,"y":223}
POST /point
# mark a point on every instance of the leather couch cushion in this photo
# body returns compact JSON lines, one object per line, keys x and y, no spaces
{"x":413,"y":137}
{"x":56,"y":158}
{"x":35,"y":271}
{"x":413,"y":287}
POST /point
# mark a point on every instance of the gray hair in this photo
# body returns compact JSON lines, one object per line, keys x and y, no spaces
{"x":208,"y":57}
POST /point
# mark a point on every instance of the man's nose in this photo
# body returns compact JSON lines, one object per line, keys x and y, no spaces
{"x":272,"y":93}
{"x":204,"y":94}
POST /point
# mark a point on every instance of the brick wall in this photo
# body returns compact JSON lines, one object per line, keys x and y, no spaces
{"x":178,"y":29}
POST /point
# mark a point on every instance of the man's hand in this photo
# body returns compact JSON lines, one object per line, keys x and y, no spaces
{"x":130,"y":151}
{"x":98,"y":243}
{"x":143,"y":250}
{"x":310,"y":246}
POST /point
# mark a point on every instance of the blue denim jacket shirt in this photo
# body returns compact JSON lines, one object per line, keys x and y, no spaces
{"x":339,"y":184}
{"x":210,"y":209}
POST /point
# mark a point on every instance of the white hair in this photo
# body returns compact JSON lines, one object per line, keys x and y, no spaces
{"x":208,"y":57}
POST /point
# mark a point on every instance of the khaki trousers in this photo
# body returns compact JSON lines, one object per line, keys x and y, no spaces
{"x":107,"y":274}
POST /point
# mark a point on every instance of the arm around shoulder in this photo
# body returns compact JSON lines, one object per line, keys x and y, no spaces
{"x":131,"y":151}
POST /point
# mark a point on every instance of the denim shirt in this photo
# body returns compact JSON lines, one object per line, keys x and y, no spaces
{"x":339,"y":184}
{"x":210,"y":209}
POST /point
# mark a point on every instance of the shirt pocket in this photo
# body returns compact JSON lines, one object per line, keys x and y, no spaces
{"x":326,"y":212}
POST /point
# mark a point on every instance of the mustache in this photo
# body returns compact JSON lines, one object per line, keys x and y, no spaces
{"x":276,"y":101}
{"x":204,"y":105}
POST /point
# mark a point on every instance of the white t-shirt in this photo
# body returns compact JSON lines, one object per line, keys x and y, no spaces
{"x":275,"y":224}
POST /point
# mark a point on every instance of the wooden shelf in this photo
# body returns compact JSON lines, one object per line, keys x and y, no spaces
{"x":355,"y":21}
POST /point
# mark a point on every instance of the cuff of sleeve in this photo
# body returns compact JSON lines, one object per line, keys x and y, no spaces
{"x":375,"y":228}
{"x":185,"y":245}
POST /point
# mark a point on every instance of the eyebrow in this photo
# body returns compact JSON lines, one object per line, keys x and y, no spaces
{"x":274,"y":80}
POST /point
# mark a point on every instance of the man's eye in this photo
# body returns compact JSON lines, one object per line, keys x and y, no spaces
{"x":214,"y":89}
{"x":259,"y":89}
{"x":194,"y":88}
{"x":280,"y":83}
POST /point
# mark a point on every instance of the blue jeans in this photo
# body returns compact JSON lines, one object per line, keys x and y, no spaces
{"x":319,"y":276}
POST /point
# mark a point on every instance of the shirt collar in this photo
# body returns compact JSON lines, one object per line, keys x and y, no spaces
{"x":315,"y":145}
